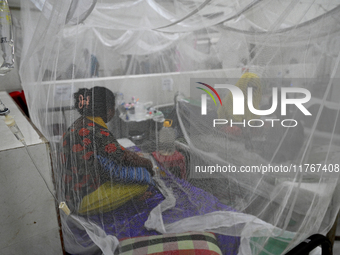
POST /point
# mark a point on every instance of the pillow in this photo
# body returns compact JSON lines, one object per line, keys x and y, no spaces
{"x":110,"y":196}
{"x":191,"y":243}
{"x":126,"y":174}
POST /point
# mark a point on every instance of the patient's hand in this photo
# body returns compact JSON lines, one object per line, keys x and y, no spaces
{"x":133,"y":159}
{"x":149,"y":166}
{"x":141,"y":154}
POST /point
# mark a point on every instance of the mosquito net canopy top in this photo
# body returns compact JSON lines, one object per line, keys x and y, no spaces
{"x":176,"y":116}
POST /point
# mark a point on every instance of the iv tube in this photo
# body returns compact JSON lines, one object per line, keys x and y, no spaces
{"x":10,"y":122}
{"x":6,"y":65}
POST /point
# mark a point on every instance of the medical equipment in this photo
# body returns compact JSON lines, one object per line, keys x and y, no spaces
{"x":6,"y":39}
{"x":167,"y":137}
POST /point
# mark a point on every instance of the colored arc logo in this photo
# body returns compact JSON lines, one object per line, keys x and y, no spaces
{"x":208,"y":92}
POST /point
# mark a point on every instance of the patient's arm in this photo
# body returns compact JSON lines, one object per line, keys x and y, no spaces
{"x":109,"y":147}
{"x":132,"y":159}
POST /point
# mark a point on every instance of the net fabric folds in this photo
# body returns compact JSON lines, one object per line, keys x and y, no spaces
{"x":102,"y":77}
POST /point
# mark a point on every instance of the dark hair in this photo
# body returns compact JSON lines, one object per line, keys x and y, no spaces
{"x":95,"y":102}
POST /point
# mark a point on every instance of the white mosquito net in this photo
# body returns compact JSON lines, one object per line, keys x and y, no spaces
{"x":146,"y":138}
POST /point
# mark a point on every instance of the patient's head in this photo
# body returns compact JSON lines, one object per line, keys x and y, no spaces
{"x":96,"y":102}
